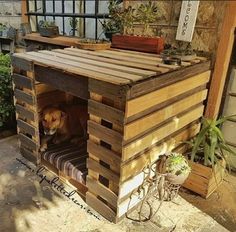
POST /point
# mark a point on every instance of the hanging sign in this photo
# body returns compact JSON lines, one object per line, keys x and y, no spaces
{"x":187,"y":20}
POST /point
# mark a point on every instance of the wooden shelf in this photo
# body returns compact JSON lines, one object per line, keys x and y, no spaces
{"x":60,"y":40}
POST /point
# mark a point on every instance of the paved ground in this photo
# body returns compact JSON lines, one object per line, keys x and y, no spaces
{"x":26,"y":205}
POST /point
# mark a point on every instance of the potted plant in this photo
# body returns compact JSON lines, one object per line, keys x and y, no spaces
{"x":92,"y":44}
{"x":73,"y":24}
{"x":208,"y":157}
{"x":48,"y":28}
{"x":114,"y":24}
{"x":145,"y":14}
{"x":177,"y":168}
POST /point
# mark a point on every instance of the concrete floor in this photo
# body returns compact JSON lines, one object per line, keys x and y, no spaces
{"x":26,"y":205}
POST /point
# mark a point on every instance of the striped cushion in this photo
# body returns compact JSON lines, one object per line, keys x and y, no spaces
{"x":69,"y":159}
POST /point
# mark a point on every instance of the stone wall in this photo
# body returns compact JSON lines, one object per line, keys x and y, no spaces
{"x":10,"y":12}
{"x":208,"y":25}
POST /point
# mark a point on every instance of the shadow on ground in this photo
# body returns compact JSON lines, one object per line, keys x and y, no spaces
{"x":19,"y":189}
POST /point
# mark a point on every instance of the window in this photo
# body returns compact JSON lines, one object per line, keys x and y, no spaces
{"x":73,"y":17}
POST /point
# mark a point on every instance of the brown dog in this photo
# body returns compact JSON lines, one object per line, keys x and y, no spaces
{"x":64,"y":124}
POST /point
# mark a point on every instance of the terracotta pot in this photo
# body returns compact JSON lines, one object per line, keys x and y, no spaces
{"x":138,"y":43}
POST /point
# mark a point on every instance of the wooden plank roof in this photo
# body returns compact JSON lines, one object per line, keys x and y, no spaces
{"x":114,"y":66}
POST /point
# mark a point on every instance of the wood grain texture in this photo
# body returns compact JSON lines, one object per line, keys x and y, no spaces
{"x":25,"y":113}
{"x":160,"y":133}
{"x":22,"y":81}
{"x":23,"y":96}
{"x":22,"y":63}
{"x":27,"y":142}
{"x":147,"y":122}
{"x":99,"y":189}
{"x":146,"y":101}
{"x":100,"y":207}
{"x":26,"y":127}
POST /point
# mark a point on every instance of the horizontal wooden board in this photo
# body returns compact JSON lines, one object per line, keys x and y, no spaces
{"x":106,"y":112}
{"x":133,"y":167}
{"x":26,"y":127}
{"x":74,"y":70}
{"x":100,"y":207}
{"x":139,"y":89}
{"x":25,"y":113}
{"x":96,"y":63}
{"x":23,"y":96}
{"x":27,"y":142}
{"x":75,"y":85}
{"x":101,"y":170}
{"x":160,"y":133}
{"x":96,"y":188}
{"x":104,"y":154}
{"x":22,"y":81}
{"x":105,"y":134}
{"x":90,"y":55}
{"x":41,"y":88}
{"x":109,"y":90}
{"x":148,"y":100}
{"x":141,"y":125}
{"x":23,"y":64}
{"x":29,"y":155}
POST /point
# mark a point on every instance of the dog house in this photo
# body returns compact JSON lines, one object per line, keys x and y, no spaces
{"x":135,"y":105}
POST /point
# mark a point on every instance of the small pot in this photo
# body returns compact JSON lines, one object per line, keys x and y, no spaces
{"x":49,"y":31}
{"x":174,"y":179}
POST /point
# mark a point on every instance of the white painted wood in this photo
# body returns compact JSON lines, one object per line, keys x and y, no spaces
{"x":187,"y":20}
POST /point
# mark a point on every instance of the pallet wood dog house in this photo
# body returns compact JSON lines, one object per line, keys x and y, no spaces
{"x":135,"y":104}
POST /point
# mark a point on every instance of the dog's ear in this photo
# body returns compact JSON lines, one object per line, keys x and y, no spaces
{"x":63,"y":114}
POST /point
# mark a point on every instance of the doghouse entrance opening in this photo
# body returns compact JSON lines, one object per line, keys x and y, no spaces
{"x":67,"y":158}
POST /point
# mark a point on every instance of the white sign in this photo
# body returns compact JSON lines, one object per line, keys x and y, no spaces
{"x":187,"y":20}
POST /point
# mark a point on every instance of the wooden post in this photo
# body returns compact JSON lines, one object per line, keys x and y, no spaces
{"x":24,"y":18}
{"x":222,"y":61}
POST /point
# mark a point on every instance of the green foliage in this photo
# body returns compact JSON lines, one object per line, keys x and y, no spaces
{"x":209,"y":145}
{"x":6,"y":100}
{"x":2,"y":27}
{"x":46,"y":23}
{"x":147,"y":14}
{"x":177,"y":164}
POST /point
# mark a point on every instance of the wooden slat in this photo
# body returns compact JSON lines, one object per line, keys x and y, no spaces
{"x":29,"y":155}
{"x":148,"y":100}
{"x":105,"y":172}
{"x":27,"y":142}
{"x":23,"y":96}
{"x":109,"y":90}
{"x":100,"y":190}
{"x":22,"y":64}
{"x":72,"y":69}
{"x":76,"y":85}
{"x":95,"y":63}
{"x":105,"y":134}
{"x":95,"y":69}
{"x":137,"y":165}
{"x":139,"y":126}
{"x":25,"y":113}
{"x":26,"y":127}
{"x":91,"y":55}
{"x":108,"y":156}
{"x":106,"y":112}
{"x":160,"y":133}
{"x":167,"y":79}
{"x":100,"y":207}
{"x":41,"y":88}
{"x":22,"y":81}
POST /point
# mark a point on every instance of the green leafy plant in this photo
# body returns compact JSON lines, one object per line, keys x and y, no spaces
{"x":128,"y":19}
{"x":147,"y":14}
{"x":209,"y":146}
{"x":2,"y":27}
{"x":177,"y":164}
{"x":6,"y":95}
{"x":46,"y":23}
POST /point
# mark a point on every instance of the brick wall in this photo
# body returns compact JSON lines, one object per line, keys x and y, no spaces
{"x":207,"y":30}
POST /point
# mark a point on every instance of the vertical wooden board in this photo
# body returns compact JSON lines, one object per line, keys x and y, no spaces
{"x":160,"y":133}
{"x":147,"y":122}
{"x":148,"y":100}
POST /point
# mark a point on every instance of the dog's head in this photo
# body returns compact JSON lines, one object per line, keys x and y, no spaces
{"x":52,"y":119}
